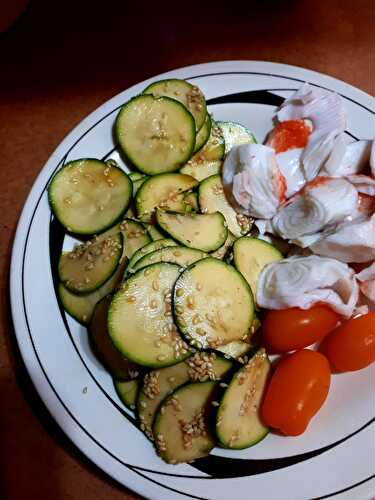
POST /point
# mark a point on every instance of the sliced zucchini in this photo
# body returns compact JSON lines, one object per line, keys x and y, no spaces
{"x":203,"y":134}
{"x":235,"y":134}
{"x":203,"y":232}
{"x":136,"y":176}
{"x":221,"y":252}
{"x":149,"y":248}
{"x":165,"y":191}
{"x":214,"y":149}
{"x":191,"y":202}
{"x":138,"y":183}
{"x":182,"y":427}
{"x":127,"y":391}
{"x":235,"y":349}
{"x":134,"y":233}
{"x":213,"y":304}
{"x":251,"y":255}
{"x":184,"y":92}
{"x":238,"y":424}
{"x":108,"y":355}
{"x":212,"y":199}
{"x":160,"y":383}
{"x":202,"y":170}
{"x":182,"y":256}
{"x":88,"y":195}
{"x":140,"y":320}
{"x":81,"y":307}
{"x":156,"y":134}
{"x":131,"y":212}
{"x":90,"y":264}
{"x":155,"y":233}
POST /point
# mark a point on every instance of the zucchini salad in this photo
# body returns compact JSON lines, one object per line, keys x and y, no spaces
{"x":222,"y":281}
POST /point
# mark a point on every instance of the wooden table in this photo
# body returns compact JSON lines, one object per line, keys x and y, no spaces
{"x":57,"y":64}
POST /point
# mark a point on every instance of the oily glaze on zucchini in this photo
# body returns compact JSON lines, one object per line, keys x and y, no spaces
{"x":235,"y":134}
{"x":127,"y":391}
{"x":87,"y":196}
{"x":204,"y":232}
{"x":213,"y":304}
{"x":221,"y":252}
{"x":158,"y":384}
{"x":238,"y":423}
{"x":154,"y":232}
{"x":156,"y":134}
{"x":108,"y":355}
{"x":149,"y":248}
{"x":164,"y":191}
{"x":182,"y":256}
{"x":187,"y":94}
{"x":89,"y":265}
{"x":182,"y":429}
{"x":251,"y":255}
{"x":140,"y":321}
{"x":134,"y":233}
{"x":212,"y":199}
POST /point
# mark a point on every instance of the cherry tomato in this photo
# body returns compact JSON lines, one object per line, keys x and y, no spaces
{"x":294,"y":328}
{"x":297,"y":390}
{"x":351,"y":346}
{"x":289,"y":134}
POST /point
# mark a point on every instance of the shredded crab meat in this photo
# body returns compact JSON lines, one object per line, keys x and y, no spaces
{"x":347,"y":158}
{"x":363,"y":184}
{"x":367,"y":282}
{"x":305,"y":281}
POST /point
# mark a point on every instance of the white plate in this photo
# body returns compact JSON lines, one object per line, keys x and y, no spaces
{"x":334,"y":458}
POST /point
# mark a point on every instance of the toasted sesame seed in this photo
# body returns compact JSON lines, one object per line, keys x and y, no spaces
{"x":215,"y":403}
{"x":200,"y":331}
{"x":143,"y":404}
{"x":161,"y":357}
{"x":199,"y":287}
{"x":179,"y":309}
{"x":179,"y":292}
{"x":153,"y":304}
{"x":131,"y":298}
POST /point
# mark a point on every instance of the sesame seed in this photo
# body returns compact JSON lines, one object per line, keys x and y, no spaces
{"x":199,"y":287}
{"x":179,"y":292}
{"x":179,"y":309}
{"x":153,"y":304}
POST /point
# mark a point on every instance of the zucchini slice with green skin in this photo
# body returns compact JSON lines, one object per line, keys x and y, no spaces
{"x":214,"y":149}
{"x":221,"y":252}
{"x":134,"y":233}
{"x":165,"y":191}
{"x":203,"y":134}
{"x":191,"y":202}
{"x":213,"y":304}
{"x":238,"y":423}
{"x":235,"y":349}
{"x":140,"y":320}
{"x":87,"y":196}
{"x":156,"y":134}
{"x":183,"y":256}
{"x":81,"y":307}
{"x":182,"y":425}
{"x":136,"y":176}
{"x":149,"y":248}
{"x":158,"y":384}
{"x":127,"y":391}
{"x":235,"y":134}
{"x":105,"y":351}
{"x":138,"y":183}
{"x":201,"y":171}
{"x":90,"y":264}
{"x":204,"y":232}
{"x":212,"y":199}
{"x":187,"y":94}
{"x":155,"y":233}
{"x":251,"y":255}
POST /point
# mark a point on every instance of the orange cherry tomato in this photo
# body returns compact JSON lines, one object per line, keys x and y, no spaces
{"x":295,"y":328}
{"x":297,"y":390}
{"x":352,"y":345}
{"x":289,"y":134}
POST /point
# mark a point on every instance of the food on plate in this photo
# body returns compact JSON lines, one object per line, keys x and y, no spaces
{"x":352,"y":345}
{"x":211,"y":253}
{"x":297,"y":390}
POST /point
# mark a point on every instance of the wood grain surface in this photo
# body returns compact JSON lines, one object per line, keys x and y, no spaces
{"x":58,"y":63}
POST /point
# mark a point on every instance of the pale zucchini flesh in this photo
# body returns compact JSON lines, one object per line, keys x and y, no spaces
{"x":127,"y":391}
{"x":87,"y":196}
{"x":206,"y":232}
{"x":203,"y":134}
{"x":235,"y":134}
{"x":187,"y":94}
{"x":140,"y":320}
{"x":154,"y":232}
{"x":89,"y":265}
{"x":191,"y":202}
{"x":158,"y":384}
{"x":251,"y":255}
{"x":202,"y":170}
{"x":212,"y":199}
{"x":182,"y":428}
{"x":213,"y":304}
{"x":182,"y":256}
{"x":149,"y":248}
{"x":165,"y":191}
{"x":108,"y":355}
{"x":156,"y":134}
{"x":238,"y":422}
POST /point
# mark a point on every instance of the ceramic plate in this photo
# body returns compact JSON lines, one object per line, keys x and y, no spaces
{"x":335,"y":458}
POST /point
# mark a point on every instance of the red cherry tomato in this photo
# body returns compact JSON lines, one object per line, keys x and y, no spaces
{"x":297,"y":390}
{"x":351,"y":346}
{"x":294,"y":328}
